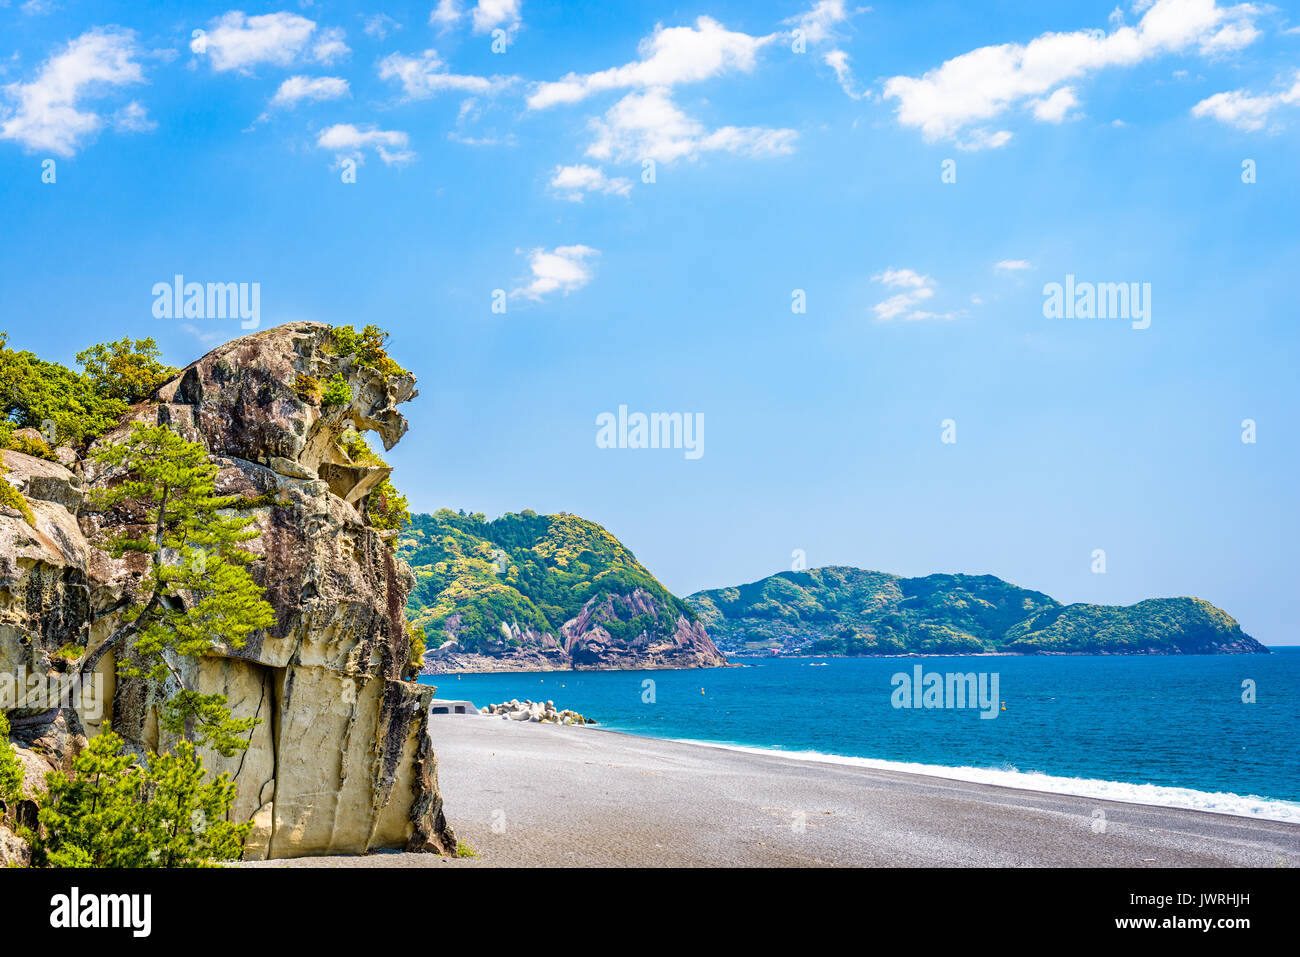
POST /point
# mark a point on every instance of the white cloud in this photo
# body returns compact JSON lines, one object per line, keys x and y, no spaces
{"x":132,"y":118}
{"x":1245,"y":110}
{"x":425,"y":75}
{"x":1232,"y":37}
{"x":329,"y":47}
{"x":914,"y":290}
{"x":349,"y":142}
{"x":446,"y":14}
{"x":984,"y":83}
{"x":1013,"y":265}
{"x":490,"y":14}
{"x":935,"y":315}
{"x":983,"y":139}
{"x":818,"y":26}
{"x":646,"y":123}
{"x":380,"y":26}
{"x":1052,"y":109}
{"x":486,"y":16}
{"x":838,"y":61}
{"x":563,"y":269}
{"x":649,"y":125}
{"x":573,"y":181}
{"x":819,"y":21}
{"x":466,"y":139}
{"x":237,"y":42}
{"x":315,"y":88}
{"x":904,"y":278}
{"x":668,"y":57}
{"x":467,"y":126}
{"x":47,"y":113}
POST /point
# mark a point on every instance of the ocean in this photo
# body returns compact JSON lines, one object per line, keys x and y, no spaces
{"x":1165,"y":730}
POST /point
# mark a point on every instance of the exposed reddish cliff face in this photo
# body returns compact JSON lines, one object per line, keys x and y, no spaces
{"x":585,"y":642}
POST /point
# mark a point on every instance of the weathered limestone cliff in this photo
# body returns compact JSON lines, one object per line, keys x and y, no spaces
{"x":341,"y":760}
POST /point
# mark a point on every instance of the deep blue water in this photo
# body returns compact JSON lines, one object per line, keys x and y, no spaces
{"x":1174,"y":721}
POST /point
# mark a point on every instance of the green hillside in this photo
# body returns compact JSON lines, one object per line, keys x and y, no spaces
{"x":531,"y":573}
{"x":849,"y":611}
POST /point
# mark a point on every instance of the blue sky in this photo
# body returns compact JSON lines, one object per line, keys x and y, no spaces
{"x":795,"y":147}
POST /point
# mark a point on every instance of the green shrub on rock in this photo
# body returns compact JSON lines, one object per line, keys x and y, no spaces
{"x":111,"y":812}
{"x":11,"y":772}
{"x":336,"y":392}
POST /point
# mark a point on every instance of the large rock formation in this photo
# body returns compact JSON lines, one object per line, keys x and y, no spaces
{"x":341,"y":760}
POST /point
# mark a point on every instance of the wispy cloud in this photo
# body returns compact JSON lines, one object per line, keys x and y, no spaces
{"x":316,"y":88}
{"x":669,"y":57}
{"x":485,"y":16}
{"x":573,"y":182}
{"x":649,"y":125}
{"x":132,"y":118}
{"x":914,"y":289}
{"x":1245,"y":110}
{"x":983,"y":139}
{"x":426,"y":75}
{"x":469,"y":130}
{"x":379,"y":26}
{"x":1013,"y":265}
{"x":329,"y":47}
{"x":350,"y":142}
{"x":820,"y":22}
{"x":819,"y":27}
{"x":838,"y":61}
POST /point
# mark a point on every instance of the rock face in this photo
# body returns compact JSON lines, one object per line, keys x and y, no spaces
{"x":14,"y":851}
{"x":341,"y":760}
{"x":586,"y":642}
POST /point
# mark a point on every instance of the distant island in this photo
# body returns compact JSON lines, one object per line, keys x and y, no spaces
{"x":529,"y":592}
{"x":846,"y":611}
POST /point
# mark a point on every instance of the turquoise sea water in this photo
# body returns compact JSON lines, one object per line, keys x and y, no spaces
{"x":1174,"y":722}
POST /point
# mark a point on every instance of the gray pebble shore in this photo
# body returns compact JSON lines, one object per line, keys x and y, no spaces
{"x":526,"y":794}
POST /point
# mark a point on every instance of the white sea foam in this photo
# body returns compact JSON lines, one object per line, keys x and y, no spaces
{"x":1218,"y":802}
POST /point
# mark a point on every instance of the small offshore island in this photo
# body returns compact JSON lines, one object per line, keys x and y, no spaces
{"x":840,"y":611}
